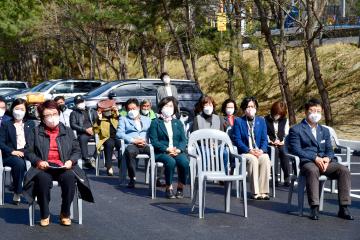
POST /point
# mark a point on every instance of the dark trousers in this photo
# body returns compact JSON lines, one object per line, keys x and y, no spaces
{"x":284,"y":162}
{"x":131,"y":152}
{"x":18,"y":169}
{"x":84,"y":141}
{"x":43,"y":184}
{"x":109,"y":145}
{"x":333,"y":171}
{"x":180,"y":161}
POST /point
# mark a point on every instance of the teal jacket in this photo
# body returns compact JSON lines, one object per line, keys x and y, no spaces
{"x":159,"y":137}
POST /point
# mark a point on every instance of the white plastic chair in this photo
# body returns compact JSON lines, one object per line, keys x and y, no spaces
{"x":3,"y":171}
{"x":150,"y":168}
{"x":208,"y":146}
{"x":77,"y":200}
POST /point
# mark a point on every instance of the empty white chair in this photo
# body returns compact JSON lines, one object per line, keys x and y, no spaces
{"x":3,"y":171}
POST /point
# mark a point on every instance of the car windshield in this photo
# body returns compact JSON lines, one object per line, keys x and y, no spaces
{"x":12,"y":84}
{"x":42,"y":87}
{"x":98,"y":91}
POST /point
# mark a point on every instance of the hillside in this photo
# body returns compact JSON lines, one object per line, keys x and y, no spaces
{"x":340,"y":66}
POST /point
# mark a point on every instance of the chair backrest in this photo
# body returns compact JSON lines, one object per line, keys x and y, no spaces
{"x":333,"y":136}
{"x":210,"y":145}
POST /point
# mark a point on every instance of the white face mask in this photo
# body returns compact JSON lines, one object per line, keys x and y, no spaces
{"x":2,"y":112}
{"x":18,"y":114}
{"x":250,"y":112}
{"x":166,"y":79}
{"x":229,"y":111}
{"x":315,"y":117}
{"x":277,"y":117}
{"x":145,"y":112}
{"x":167,"y":111}
{"x":81,"y":106}
{"x":52,"y":122}
{"x":208,"y":110}
{"x":133,"y":113}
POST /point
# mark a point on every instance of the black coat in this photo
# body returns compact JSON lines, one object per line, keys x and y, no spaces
{"x":77,"y":119}
{"x":8,"y":136}
{"x":37,"y":148}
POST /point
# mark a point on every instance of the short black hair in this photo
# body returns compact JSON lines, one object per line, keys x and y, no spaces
{"x":312,"y":102}
{"x":57,"y":98}
{"x":165,"y":101}
{"x":2,"y":99}
{"x":223,"y":106}
{"x":246,"y":100}
{"x":163,"y":74}
{"x":131,"y":100}
{"x":17,"y":102}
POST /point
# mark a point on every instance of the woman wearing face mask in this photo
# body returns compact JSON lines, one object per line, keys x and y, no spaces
{"x":229,"y":111}
{"x":206,"y":117}
{"x":166,"y":90}
{"x":53,"y":152}
{"x":105,"y":127}
{"x":250,"y":137}
{"x":277,"y":129}
{"x":168,"y":138}
{"x":12,"y":142}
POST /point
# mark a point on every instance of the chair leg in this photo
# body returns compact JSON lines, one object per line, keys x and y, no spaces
{"x":301,"y":190}
{"x":321,"y":190}
{"x":291,"y":190}
{"x":32,"y":214}
{"x":122,"y":170}
{"x":191,"y":182}
{"x":72,"y":210}
{"x":147,"y":171}
{"x":2,"y":187}
{"x":196,"y":190}
{"x":245,"y":197}
{"x":333,"y":186}
{"x":273,"y":181}
{"x":237,"y":184}
{"x":202,"y":187}
{"x":79,"y":200}
{"x":227,"y":196}
{"x":97,"y":163}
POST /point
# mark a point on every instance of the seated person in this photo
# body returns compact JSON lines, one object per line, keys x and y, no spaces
{"x":82,"y":120}
{"x":277,"y":129}
{"x":12,"y":142}
{"x":167,"y":135}
{"x":53,"y":152}
{"x":133,"y":129}
{"x":145,"y":109}
{"x":311,"y":142}
{"x":64,"y":111}
{"x":250,"y":138}
{"x":3,"y":111}
{"x":105,"y":126}
{"x":206,"y":117}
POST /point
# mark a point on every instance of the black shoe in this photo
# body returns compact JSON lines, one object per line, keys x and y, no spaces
{"x":89,"y":163}
{"x":179,"y":193}
{"x":160,"y":182}
{"x":131,"y":184}
{"x":170,"y":194}
{"x":314,"y":213}
{"x":256,"y":197}
{"x":265,"y":197}
{"x":287,"y":184}
{"x":345,"y":213}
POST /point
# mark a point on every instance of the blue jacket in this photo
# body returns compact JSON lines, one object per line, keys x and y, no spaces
{"x":4,"y":118}
{"x":241,"y":134}
{"x":302,"y":143}
{"x":159,"y":136}
{"x":126,"y":129}
{"x":8,"y":136}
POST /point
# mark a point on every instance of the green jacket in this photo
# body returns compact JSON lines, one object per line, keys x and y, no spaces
{"x":159,"y":137}
{"x":151,"y":114}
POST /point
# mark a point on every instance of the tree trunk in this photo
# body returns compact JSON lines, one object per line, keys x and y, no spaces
{"x":282,"y":70}
{"x":309,"y":73}
{"x":143,"y":61}
{"x":178,"y":41}
{"x":190,"y":37}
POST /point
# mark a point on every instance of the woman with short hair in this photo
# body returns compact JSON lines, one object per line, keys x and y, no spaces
{"x":53,"y":152}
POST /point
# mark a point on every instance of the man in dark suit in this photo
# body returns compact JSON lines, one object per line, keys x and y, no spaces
{"x":3,"y":116}
{"x":311,"y":142}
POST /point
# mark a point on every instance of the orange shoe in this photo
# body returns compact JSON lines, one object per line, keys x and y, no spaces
{"x":65,"y":221}
{"x":45,"y":222}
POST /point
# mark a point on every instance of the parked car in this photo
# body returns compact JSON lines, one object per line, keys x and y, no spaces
{"x":67,"y":88}
{"x":13,"y":84}
{"x":6,"y":91}
{"x":121,"y":90}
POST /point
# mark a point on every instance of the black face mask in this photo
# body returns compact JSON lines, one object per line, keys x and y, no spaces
{"x":62,"y":107}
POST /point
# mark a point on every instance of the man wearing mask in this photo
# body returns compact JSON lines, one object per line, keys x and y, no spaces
{"x":311,"y":142}
{"x":145,"y":109}
{"x":133,"y":129}
{"x":64,"y":111}
{"x":82,"y":120}
{"x":3,"y":116}
{"x":167,"y":90}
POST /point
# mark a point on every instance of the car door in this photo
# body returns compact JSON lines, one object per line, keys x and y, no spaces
{"x":65,"y":89}
{"x":125,"y":91}
{"x":148,"y":91}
